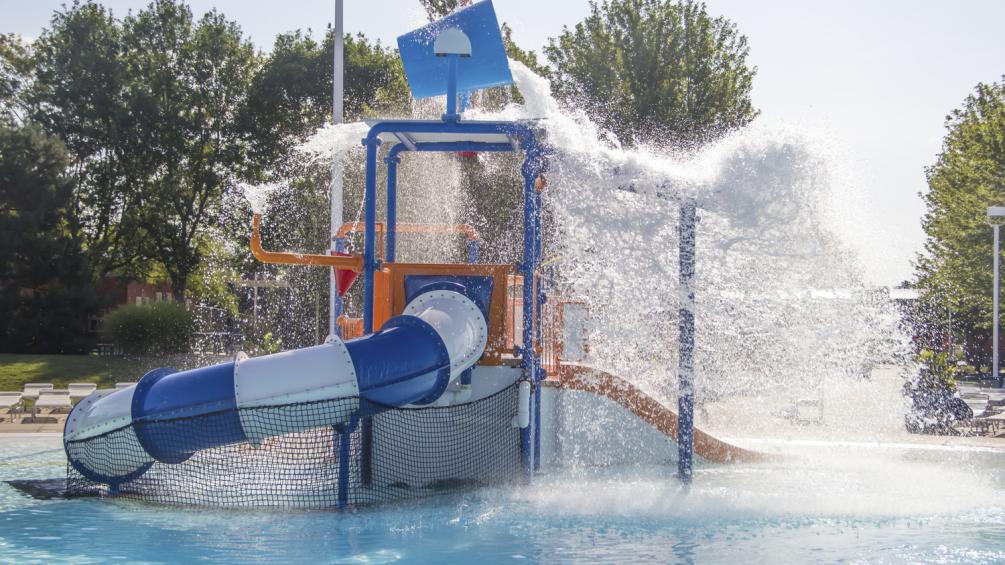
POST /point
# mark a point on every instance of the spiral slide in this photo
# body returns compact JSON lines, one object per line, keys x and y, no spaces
{"x":411,"y":360}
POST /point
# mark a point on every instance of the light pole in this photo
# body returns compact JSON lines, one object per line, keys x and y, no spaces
{"x":334,"y":300}
{"x":996,"y":216}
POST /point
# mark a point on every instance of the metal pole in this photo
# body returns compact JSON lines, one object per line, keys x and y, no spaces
{"x":994,"y":374}
{"x":391,"y":233}
{"x":685,"y":365}
{"x":451,"y":88}
{"x":369,"y":241}
{"x":527,"y":270}
{"x":338,"y":32}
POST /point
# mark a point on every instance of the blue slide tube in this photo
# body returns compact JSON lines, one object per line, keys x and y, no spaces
{"x":168,"y":416}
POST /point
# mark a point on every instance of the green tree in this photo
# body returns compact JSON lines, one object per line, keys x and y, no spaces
{"x":968,"y":176}
{"x":45,"y":293}
{"x":662,"y":72}
{"x":15,"y":71}
{"x":187,"y":82}
{"x":80,"y":94}
{"x":291,"y":96}
{"x":150,"y":108}
{"x":436,"y":9}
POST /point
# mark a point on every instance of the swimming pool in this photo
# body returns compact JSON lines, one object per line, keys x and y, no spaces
{"x":817,"y":502}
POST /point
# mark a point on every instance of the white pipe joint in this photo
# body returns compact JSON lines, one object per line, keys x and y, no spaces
{"x":458,"y":321}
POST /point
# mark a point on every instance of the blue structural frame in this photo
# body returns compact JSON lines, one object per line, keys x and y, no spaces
{"x":521,"y":138}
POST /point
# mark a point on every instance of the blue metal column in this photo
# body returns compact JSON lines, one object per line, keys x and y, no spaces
{"x":451,"y":114}
{"x":527,"y":269}
{"x":370,"y":203}
{"x":539,"y":293}
{"x":685,"y":366}
{"x":344,"y":441}
{"x":390,"y":234}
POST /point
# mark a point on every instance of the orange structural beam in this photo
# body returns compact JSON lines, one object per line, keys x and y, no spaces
{"x":466,"y":230}
{"x":349,"y":263}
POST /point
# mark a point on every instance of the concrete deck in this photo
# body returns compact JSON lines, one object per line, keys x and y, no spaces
{"x":24,"y":423}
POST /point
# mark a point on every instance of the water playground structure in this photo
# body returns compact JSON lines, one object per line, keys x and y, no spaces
{"x":450,"y":379}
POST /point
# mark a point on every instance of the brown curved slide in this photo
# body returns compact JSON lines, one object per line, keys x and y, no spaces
{"x":601,"y":383}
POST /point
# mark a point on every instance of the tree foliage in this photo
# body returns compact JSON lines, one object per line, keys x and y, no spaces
{"x":955,"y":272}
{"x":291,"y":96}
{"x":80,"y":95}
{"x":661,"y":72}
{"x":436,"y":9}
{"x":149,"y":108}
{"x":15,"y":77}
{"x":188,"y":86}
{"x":45,"y":293}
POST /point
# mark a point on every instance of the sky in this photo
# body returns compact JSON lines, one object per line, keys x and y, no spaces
{"x":877,"y":78}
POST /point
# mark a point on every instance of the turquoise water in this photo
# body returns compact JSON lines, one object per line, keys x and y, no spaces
{"x":821,"y":503}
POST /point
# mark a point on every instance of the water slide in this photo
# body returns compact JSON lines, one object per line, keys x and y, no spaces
{"x":168,"y":415}
{"x":595,"y":381}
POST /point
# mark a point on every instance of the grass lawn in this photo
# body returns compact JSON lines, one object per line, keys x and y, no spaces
{"x":15,"y":370}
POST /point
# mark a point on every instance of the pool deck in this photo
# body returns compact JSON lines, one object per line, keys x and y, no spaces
{"x":917,"y":441}
{"x":52,"y":425}
{"x":27,"y":424}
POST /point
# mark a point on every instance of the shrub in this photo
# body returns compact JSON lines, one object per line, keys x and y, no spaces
{"x":150,"y":329}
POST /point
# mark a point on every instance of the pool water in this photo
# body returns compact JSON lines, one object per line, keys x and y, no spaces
{"x":814,"y":503}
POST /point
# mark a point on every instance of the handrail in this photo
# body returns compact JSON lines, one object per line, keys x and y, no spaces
{"x":349,"y":263}
{"x":463,"y":229}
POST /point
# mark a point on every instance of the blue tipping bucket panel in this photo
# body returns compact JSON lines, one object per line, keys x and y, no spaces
{"x":165,"y":406}
{"x":486,"y":67}
{"x":406,"y":362}
{"x":477,"y":288}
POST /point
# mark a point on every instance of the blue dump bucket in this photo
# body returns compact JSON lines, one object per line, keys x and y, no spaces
{"x":486,"y":67}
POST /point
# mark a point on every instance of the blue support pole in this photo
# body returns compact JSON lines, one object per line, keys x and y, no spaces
{"x":345,"y":440}
{"x":685,"y":365}
{"x":451,"y":115}
{"x":539,"y":293}
{"x":527,"y":271}
{"x":530,"y":444}
{"x":370,"y":204}
{"x":391,"y":233}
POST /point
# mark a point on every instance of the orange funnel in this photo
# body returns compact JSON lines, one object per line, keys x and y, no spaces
{"x":343,"y":277}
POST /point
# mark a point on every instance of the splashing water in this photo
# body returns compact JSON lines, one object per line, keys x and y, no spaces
{"x":258,"y":195}
{"x":783,"y":313}
{"x":333,"y":141}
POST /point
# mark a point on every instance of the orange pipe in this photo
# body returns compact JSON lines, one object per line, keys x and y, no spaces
{"x":464,"y":229}
{"x":350,"y":263}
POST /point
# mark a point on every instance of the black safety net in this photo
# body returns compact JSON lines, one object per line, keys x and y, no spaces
{"x":395,"y":453}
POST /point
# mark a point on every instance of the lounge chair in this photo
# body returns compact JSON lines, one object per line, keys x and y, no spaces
{"x":12,"y":402}
{"x":995,"y":422}
{"x":80,"y":391}
{"x":31,"y":390}
{"x":996,"y":398}
{"x":978,"y":405}
{"x":120,"y":386}
{"x":53,"y":400}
